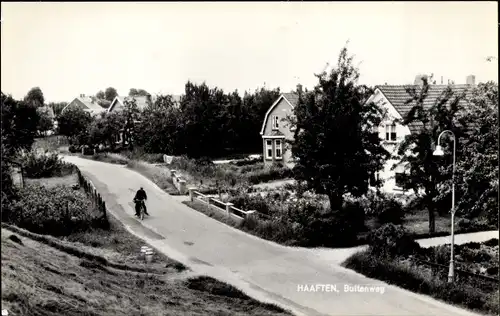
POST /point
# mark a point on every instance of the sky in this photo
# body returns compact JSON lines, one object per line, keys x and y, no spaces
{"x":68,"y":49}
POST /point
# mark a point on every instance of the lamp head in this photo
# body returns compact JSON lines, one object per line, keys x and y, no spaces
{"x":438,"y":151}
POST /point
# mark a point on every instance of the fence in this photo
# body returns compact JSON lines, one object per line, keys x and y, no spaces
{"x":461,"y":275}
{"x":89,"y":188}
{"x":179,"y":182}
{"x":225,"y":207}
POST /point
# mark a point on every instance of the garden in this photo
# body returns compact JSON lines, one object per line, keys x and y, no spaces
{"x":394,"y":257}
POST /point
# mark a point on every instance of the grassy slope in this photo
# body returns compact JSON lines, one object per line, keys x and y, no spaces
{"x":38,"y":279}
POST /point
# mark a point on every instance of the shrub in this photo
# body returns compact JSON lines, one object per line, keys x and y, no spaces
{"x":391,"y":241}
{"x":57,"y":211}
{"x":491,"y":243}
{"x":391,"y":212}
{"x":248,"y":202}
{"x":417,"y":280}
{"x":44,"y":165}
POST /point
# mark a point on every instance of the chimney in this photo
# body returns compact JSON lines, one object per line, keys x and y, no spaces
{"x":418,"y":80}
{"x":470,"y":80}
{"x":149,"y":99}
{"x":299,"y":87}
{"x":441,"y":79}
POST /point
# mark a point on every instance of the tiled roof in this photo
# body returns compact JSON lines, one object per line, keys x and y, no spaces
{"x":292,"y":97}
{"x":142,"y":102}
{"x":92,"y":106}
{"x":276,"y":133}
{"x":397,"y":95}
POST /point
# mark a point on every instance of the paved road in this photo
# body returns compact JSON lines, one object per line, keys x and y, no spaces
{"x":264,"y":270}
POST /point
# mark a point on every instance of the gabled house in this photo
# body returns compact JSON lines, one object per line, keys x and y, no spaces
{"x":392,"y":132}
{"x":87,"y":103}
{"x":276,"y":130}
{"x":119,"y":102}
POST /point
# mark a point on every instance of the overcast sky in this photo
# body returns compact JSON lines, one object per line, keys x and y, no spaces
{"x":72,"y":48}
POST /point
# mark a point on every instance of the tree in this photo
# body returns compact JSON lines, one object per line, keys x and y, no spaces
{"x":74,"y":123}
{"x":35,"y":97}
{"x":334,"y":142}
{"x":131,"y":118}
{"x":138,"y":93}
{"x":161,"y":128}
{"x":110,"y":94}
{"x":19,"y":124}
{"x":104,"y":129}
{"x":100,"y":95}
{"x":45,"y":122}
{"x":478,"y":166}
{"x":427,"y":172}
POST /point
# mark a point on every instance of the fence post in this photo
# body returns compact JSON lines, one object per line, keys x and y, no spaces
{"x":251,"y":213}
{"x":182,"y":187}
{"x":191,"y":194}
{"x":228,"y":208}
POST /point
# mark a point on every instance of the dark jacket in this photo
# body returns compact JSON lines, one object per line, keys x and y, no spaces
{"x":141,"y":195}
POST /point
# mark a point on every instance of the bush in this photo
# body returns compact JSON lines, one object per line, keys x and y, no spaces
{"x":44,"y":165}
{"x":417,"y":280}
{"x":275,"y":172}
{"x":391,"y":212}
{"x":391,"y":241}
{"x":57,"y":211}
{"x":248,"y":202}
{"x":491,"y":243}
{"x":473,"y":225}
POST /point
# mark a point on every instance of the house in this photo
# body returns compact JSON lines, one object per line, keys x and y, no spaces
{"x":392,"y":132}
{"x":276,"y":130}
{"x":87,"y":103}
{"x":141,"y":101}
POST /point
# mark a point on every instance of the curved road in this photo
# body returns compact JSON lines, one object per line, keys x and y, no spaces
{"x":264,"y":270}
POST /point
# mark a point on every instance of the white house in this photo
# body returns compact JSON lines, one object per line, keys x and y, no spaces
{"x":87,"y":103}
{"x":393,"y":99}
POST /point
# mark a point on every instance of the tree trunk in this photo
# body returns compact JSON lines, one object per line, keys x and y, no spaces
{"x":432,"y":220}
{"x":336,"y":202}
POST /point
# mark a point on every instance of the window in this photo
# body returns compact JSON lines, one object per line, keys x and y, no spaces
{"x":275,"y":122}
{"x":279,"y":148}
{"x":269,"y":149}
{"x":390,"y":132}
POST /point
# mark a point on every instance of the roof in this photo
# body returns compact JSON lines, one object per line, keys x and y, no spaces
{"x":292,"y":99}
{"x":48,"y":110}
{"x":397,"y":95}
{"x":91,"y":105}
{"x":141,"y":101}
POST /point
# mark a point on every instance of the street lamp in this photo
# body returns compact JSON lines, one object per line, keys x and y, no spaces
{"x":439,"y":152}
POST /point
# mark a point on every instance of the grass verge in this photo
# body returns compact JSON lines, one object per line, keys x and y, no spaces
{"x":410,"y":277}
{"x":160,"y":176}
{"x":40,"y":279}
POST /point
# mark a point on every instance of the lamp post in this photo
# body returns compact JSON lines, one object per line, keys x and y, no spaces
{"x":439,"y":152}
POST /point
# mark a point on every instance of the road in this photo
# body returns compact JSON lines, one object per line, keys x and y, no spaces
{"x":264,"y":270}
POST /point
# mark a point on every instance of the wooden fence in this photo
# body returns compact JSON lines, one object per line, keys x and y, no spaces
{"x":225,"y":207}
{"x":91,"y":191}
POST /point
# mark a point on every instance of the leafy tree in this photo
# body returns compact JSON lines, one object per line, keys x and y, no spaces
{"x":110,"y":94}
{"x":45,"y":122}
{"x":74,"y":123}
{"x":161,"y":127}
{"x":131,"y":117}
{"x":138,"y":93}
{"x":477,"y":168}
{"x":427,"y":172}
{"x":202,"y":113}
{"x":100,"y":95}
{"x":104,"y":129}
{"x":19,"y":124}
{"x":334,"y":142}
{"x":35,"y":97}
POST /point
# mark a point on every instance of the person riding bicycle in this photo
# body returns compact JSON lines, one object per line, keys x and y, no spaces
{"x":140,"y":196}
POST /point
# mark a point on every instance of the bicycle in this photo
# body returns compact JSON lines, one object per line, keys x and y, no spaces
{"x":141,"y":208}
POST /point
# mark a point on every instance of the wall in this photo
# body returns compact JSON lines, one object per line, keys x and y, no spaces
{"x":282,"y":109}
{"x":392,"y":147}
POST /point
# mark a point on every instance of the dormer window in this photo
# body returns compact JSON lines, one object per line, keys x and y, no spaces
{"x":390,"y":132}
{"x":275,"y":122}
